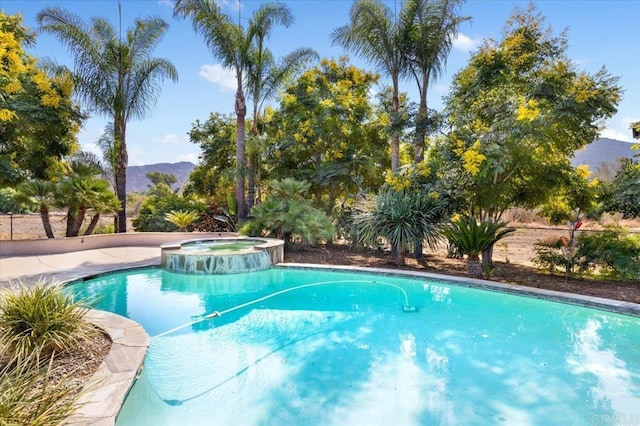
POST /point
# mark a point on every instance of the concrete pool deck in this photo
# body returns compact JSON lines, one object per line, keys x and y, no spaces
{"x":75,"y":265}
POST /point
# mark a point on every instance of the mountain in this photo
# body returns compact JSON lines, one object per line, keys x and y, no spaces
{"x":137,"y":180}
{"x":601,"y":151}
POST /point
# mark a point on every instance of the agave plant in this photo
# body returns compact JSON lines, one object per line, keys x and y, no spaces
{"x":471,"y":238}
{"x":181,"y":219}
{"x":400,"y":218}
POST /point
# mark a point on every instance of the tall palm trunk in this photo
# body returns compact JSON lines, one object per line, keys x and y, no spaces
{"x":120,"y":127}
{"x":241,"y":112}
{"x":46,"y":223}
{"x":251,"y":166}
{"x":421,"y":122}
{"x":395,"y":137}
{"x":92,"y":224}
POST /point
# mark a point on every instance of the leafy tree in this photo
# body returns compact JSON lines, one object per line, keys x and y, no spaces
{"x":434,"y":26}
{"x":213,"y":176}
{"x":38,"y":120}
{"x":400,"y":218}
{"x":287,"y":215}
{"x":575,"y":190}
{"x":265,"y":77}
{"x":325,"y":133}
{"x":375,"y":34}
{"x":236,"y":47}
{"x":518,"y":111}
{"x":115,"y":76}
{"x":623,"y":194}
{"x":159,"y":177}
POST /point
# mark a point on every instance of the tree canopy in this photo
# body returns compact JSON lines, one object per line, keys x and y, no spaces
{"x":325,"y":132}
{"x":38,"y":119}
{"x":518,"y":111}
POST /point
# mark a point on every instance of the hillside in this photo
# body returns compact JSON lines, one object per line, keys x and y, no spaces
{"x":601,"y":151}
{"x":137,"y":180}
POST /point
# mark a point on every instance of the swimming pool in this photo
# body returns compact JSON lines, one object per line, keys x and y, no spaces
{"x":337,"y":348}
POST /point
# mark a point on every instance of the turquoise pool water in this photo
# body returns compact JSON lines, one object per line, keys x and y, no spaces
{"x":347,"y":353}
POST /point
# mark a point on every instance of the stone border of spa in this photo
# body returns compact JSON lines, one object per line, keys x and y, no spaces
{"x":107,"y":389}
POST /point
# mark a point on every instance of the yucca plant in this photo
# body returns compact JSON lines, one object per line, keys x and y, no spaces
{"x":181,"y":219}
{"x":471,"y":238}
{"x":41,"y":319}
{"x":400,"y":218}
{"x":30,"y":396}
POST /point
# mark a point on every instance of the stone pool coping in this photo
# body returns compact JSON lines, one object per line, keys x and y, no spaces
{"x":108,"y":387}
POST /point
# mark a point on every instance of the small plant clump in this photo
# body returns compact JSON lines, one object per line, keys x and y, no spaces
{"x":41,"y":319}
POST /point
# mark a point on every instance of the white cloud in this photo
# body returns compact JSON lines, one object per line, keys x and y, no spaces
{"x":234,"y":5}
{"x":465,"y":43}
{"x":167,"y":3}
{"x":620,"y":129}
{"x":441,"y":88}
{"x":222,"y":77}
{"x":616,"y":134}
{"x":172,"y":139}
{"x":191,"y":157}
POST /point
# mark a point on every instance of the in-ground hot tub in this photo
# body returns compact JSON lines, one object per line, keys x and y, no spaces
{"x":228,"y":255}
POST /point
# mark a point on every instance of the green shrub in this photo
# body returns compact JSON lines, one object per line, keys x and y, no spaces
{"x":612,"y":252}
{"x":41,"y":319}
{"x":31,"y":396}
{"x":9,"y":203}
{"x":285,"y":214}
{"x":152,"y":216}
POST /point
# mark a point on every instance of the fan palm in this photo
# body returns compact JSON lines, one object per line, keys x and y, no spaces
{"x":235,"y":47}
{"x":434,"y":26}
{"x":116,"y":77}
{"x":471,"y":237}
{"x":41,"y":193}
{"x":375,"y":34}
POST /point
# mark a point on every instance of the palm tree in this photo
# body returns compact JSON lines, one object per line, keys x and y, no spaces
{"x":39,"y":192}
{"x":434,"y":26}
{"x":114,"y":76}
{"x":376,"y":35}
{"x":234,"y":47}
{"x":82,"y":190}
{"x":264,"y":78}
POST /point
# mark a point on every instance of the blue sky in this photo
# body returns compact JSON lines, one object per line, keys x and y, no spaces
{"x":600,"y":33}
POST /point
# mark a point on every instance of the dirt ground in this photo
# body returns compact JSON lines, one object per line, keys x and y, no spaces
{"x":512,"y":258}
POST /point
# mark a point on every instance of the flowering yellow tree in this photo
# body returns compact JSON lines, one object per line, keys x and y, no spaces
{"x":518,"y":112}
{"x":38,"y":120}
{"x":326,"y":132}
